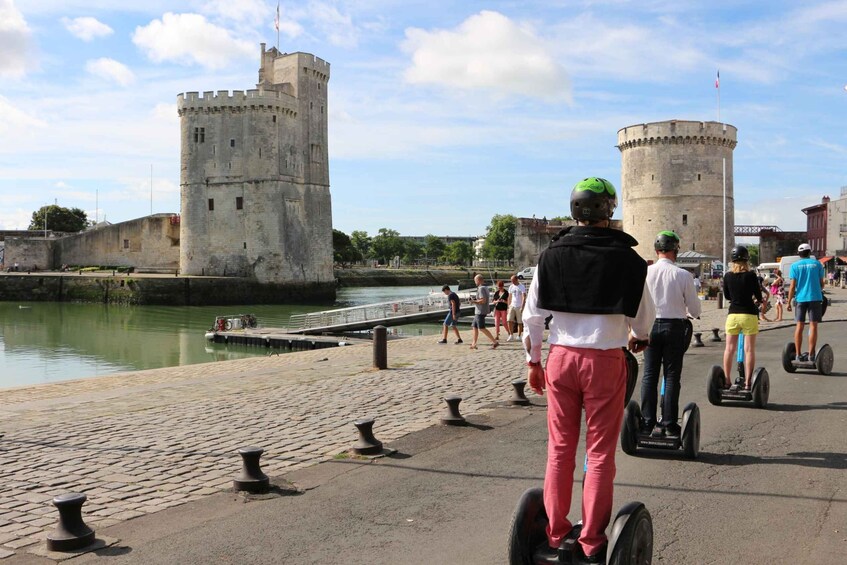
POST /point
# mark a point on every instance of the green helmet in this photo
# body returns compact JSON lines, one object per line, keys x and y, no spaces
{"x":666,"y":241}
{"x":593,"y":200}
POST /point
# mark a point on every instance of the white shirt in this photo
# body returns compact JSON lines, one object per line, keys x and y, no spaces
{"x":673,"y":291}
{"x":517,"y":292}
{"x":591,"y":331}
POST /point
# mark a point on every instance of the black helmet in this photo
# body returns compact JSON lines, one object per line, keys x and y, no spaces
{"x":740,"y":253}
{"x":666,"y":241}
{"x":593,"y":200}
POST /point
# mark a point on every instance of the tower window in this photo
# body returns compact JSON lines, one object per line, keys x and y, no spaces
{"x":685,"y":219}
{"x":316,"y":153}
{"x":698,"y":176}
{"x":232,"y":143}
{"x":322,"y":109}
{"x":199,"y":135}
{"x":273,"y":118}
{"x":652,"y":177}
{"x":239,"y":202}
{"x":245,"y":245}
{"x":311,"y":105}
{"x":211,"y":204}
{"x":126,"y":244}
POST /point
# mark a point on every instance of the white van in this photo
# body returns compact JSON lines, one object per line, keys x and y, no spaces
{"x":767,"y":270}
{"x":785,"y":266}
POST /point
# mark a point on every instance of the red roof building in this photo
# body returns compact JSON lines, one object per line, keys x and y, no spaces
{"x":816,"y":221}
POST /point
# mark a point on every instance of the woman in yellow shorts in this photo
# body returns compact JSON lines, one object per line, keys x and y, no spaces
{"x":741,"y":288}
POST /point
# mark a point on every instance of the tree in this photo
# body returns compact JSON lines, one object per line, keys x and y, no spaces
{"x":344,"y":252}
{"x":560,"y":220}
{"x":412,"y":251}
{"x":433,"y":247}
{"x":459,"y":253}
{"x":500,"y":238}
{"x":753,"y":248}
{"x":59,"y":218}
{"x":361,"y":242}
{"x":387,"y":244}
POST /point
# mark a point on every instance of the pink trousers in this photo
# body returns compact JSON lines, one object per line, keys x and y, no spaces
{"x":500,"y":319}
{"x":594,"y":379}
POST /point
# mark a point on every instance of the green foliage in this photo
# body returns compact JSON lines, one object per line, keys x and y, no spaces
{"x":753,"y":248}
{"x":459,"y":253}
{"x":361,"y":242}
{"x":386,"y":245}
{"x":59,"y":218}
{"x":412,"y":251}
{"x":433,"y":247}
{"x":344,"y":252}
{"x":500,"y":238}
{"x":561,"y":220}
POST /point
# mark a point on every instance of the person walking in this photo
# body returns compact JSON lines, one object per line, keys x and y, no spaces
{"x":517,"y":299}
{"x":778,"y":294}
{"x":482,"y":303}
{"x":807,"y":280}
{"x":501,"y":306}
{"x":675,"y":296}
{"x":591,"y":282}
{"x":744,"y":292}
{"x":452,"y":316}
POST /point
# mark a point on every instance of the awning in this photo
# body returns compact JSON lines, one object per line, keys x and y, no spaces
{"x":823,"y":260}
{"x":842,"y":259}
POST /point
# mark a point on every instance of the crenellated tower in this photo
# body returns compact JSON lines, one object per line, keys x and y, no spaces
{"x":672,"y":179}
{"x":254,"y":176}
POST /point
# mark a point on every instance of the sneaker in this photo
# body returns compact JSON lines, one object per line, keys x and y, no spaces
{"x":658,"y":432}
{"x":545,"y":554}
{"x":580,"y":558}
{"x":441,"y":341}
{"x":804,"y":357}
{"x":646,"y":426}
{"x":673,"y":430}
{"x":510,"y":338}
{"x":459,"y":341}
{"x":812,"y":357}
{"x":495,"y":344}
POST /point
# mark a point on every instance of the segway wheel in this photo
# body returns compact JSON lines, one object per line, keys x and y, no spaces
{"x":824,"y":360}
{"x":631,"y":375}
{"x":761,"y":387}
{"x":629,"y":428}
{"x":691,"y":430}
{"x":788,"y":354}
{"x":715,"y":385}
{"x":631,"y":542}
{"x":528,"y":528}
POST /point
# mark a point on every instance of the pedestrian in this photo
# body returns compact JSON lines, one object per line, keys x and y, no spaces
{"x":766,"y":298}
{"x":482,"y":304}
{"x":591,"y":281}
{"x":807,"y":280}
{"x":517,"y":299}
{"x":501,"y":306}
{"x":744,"y":292}
{"x":697,"y":284}
{"x":675,"y":296}
{"x":452,"y":316}
{"x":778,"y":294}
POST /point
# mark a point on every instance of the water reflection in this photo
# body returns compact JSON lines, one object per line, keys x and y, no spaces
{"x":45,"y":342}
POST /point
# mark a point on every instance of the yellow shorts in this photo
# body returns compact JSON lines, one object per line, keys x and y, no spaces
{"x":738,"y":323}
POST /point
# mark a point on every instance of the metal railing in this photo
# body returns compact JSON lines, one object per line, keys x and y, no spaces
{"x":383,"y":311}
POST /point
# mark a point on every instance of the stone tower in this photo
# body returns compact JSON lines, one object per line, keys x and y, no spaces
{"x":672,"y":179}
{"x":254,"y":176}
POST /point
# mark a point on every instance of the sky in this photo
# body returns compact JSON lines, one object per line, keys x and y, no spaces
{"x":441,"y":113}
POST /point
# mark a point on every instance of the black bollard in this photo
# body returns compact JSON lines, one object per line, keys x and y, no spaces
{"x":715,"y":335}
{"x":698,"y":340}
{"x":720,"y":300}
{"x":380,"y":347}
{"x":519,"y":397}
{"x":251,"y":479}
{"x":367,"y":444}
{"x":71,"y":533}
{"x":452,"y":416}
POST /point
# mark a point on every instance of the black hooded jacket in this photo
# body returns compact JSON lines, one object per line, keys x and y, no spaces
{"x":591,"y":270}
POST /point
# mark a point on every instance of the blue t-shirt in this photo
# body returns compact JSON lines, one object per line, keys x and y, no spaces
{"x":808,"y":274}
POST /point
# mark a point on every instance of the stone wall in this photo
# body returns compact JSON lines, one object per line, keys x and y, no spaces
{"x":775,"y":244}
{"x":29,"y":253}
{"x":532,"y":236}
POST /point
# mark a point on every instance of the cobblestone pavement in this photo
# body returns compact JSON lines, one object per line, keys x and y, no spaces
{"x":139,"y":442}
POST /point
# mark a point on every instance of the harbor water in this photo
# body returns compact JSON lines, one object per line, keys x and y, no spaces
{"x":43,"y":342}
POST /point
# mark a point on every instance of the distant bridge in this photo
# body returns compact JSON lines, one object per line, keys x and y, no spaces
{"x":754,"y":231}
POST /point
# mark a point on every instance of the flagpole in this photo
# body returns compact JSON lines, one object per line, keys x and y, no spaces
{"x":718,"y":88}
{"x":277,"y":26}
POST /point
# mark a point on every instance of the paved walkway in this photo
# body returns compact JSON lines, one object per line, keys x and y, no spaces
{"x":139,"y":442}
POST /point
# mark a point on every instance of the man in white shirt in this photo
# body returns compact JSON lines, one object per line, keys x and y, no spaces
{"x":514,"y":321}
{"x":675,"y":297}
{"x":592,"y":282}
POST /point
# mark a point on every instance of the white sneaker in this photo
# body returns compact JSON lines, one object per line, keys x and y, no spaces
{"x":509,"y":338}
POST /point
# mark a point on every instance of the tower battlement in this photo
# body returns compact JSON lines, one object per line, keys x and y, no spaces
{"x":680,"y":132}
{"x":244,"y":99}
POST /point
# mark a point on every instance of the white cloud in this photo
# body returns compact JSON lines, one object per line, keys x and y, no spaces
{"x":109,"y":69}
{"x":15,"y":121}
{"x":87,"y":28}
{"x":191,"y":38}
{"x":337,"y":27}
{"x":243,"y":11}
{"x":14,"y":40}
{"x":165,"y":112}
{"x":487,"y":51}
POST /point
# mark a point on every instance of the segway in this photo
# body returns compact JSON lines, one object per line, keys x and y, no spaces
{"x":760,"y":386}
{"x":823,"y":360}
{"x":631,"y":536}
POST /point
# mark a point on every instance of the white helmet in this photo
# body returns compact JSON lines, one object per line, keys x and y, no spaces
{"x":804,"y":247}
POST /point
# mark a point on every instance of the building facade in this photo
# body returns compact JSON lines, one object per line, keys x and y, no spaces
{"x":254,"y":177}
{"x":816,"y":227}
{"x":677,"y":175}
{"x":836,"y":221}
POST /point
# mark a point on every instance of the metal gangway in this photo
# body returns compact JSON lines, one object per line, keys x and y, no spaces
{"x":394,"y":313}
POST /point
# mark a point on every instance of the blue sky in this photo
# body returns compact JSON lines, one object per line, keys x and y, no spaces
{"x":442,"y":114}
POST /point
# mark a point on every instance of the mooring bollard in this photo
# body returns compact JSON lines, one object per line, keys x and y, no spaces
{"x":251,"y":479}
{"x":715,"y":335}
{"x":452,"y":416}
{"x":698,"y":340}
{"x":71,"y":532}
{"x":519,"y":397}
{"x":380,"y":347}
{"x":367,"y":444}
{"x":720,"y":300}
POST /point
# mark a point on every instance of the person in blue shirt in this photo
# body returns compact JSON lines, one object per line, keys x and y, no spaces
{"x":807,"y":280}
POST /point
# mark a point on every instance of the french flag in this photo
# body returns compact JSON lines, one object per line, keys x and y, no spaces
{"x":718,"y":80}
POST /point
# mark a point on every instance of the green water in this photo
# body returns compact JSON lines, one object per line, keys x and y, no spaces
{"x":42,"y":342}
